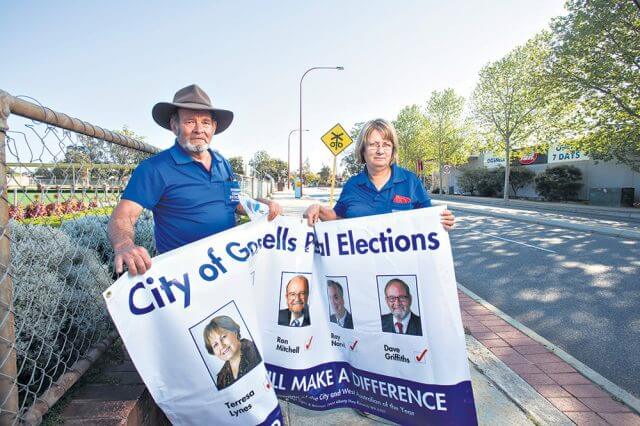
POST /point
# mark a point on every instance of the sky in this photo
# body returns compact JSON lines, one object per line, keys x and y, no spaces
{"x":108,"y":63}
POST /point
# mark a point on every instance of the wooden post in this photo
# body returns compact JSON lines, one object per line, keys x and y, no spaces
{"x":333,"y":181}
{"x":8,"y":367}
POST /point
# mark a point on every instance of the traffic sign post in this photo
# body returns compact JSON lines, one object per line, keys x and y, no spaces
{"x":337,"y":140}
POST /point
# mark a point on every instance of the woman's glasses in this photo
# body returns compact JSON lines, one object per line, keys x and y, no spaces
{"x":374,"y":146}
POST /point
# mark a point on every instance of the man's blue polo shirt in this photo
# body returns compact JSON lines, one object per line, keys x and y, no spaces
{"x":403,"y":191}
{"x":188,"y":202}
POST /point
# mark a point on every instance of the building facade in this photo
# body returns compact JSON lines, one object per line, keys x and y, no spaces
{"x":595,"y":175}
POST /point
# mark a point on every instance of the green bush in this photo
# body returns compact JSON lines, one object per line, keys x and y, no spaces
{"x":469,"y":179}
{"x":519,"y":177}
{"x":59,"y":274}
{"x":91,"y":231}
{"x":59,"y":312}
{"x":559,"y":183}
{"x":481,"y":181}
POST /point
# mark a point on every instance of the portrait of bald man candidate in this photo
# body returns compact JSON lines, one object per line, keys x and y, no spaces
{"x":297,"y":312}
{"x":340,"y":315}
{"x":401,"y":320}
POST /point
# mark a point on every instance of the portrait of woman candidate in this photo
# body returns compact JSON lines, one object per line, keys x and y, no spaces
{"x":222,"y":339}
{"x":382,"y":186}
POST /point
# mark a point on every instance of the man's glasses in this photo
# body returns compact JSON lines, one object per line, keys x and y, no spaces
{"x":402,"y":299}
{"x":296,"y":295}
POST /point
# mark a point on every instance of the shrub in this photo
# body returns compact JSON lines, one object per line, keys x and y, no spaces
{"x":468,"y":181}
{"x":91,"y":231}
{"x":481,"y":181}
{"x":559,"y":183}
{"x":16,"y":212}
{"x":36,"y":209}
{"x":519,"y":177}
{"x":59,"y":274}
{"x":56,"y":221}
{"x":59,"y":311}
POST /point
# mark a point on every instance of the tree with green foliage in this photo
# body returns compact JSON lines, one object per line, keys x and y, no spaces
{"x":519,"y":177}
{"x":410,"y":127}
{"x":510,"y":101}
{"x":596,"y":65}
{"x":237,"y":165}
{"x":446,"y":133}
{"x":349,"y":162}
{"x":324,"y":176}
{"x":126,"y":156}
{"x":263,"y":165}
{"x":559,"y":183}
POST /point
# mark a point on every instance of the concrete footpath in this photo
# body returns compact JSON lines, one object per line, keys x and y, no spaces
{"x":518,"y":377}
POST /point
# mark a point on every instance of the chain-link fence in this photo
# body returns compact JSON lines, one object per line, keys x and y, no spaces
{"x":60,"y":179}
{"x":256,"y":188}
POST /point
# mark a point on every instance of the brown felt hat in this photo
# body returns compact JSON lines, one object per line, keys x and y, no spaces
{"x":191,"y":97}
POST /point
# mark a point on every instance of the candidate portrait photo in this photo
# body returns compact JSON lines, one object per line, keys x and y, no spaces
{"x":226,"y":346}
{"x":295,"y":295}
{"x":339,"y":304}
{"x":399,"y":306}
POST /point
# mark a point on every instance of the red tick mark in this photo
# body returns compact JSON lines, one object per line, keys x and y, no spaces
{"x":353,"y":346}
{"x":308,"y":345}
{"x":420,"y":357}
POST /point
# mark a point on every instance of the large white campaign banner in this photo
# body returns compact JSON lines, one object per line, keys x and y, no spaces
{"x":359,"y":313}
{"x":188,"y":321}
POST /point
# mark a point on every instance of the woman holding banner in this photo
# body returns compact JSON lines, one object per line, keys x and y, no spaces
{"x":222,"y":339}
{"x":382,"y":186}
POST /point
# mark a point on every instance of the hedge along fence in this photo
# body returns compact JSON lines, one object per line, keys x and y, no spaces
{"x":53,"y":321}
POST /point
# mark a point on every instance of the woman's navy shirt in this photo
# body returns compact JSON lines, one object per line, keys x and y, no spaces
{"x":403,"y":191}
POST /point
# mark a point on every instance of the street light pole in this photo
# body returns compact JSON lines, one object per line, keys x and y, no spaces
{"x":289,"y":156}
{"x":300,"y":127}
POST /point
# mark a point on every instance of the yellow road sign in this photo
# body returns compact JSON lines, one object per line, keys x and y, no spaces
{"x":336,"y":139}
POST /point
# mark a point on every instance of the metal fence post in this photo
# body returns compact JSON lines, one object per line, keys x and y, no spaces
{"x":8,"y":368}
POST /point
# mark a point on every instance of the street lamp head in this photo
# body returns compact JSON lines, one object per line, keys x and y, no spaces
{"x":340,"y":68}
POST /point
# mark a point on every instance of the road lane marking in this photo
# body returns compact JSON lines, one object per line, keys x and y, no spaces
{"x":512,"y":241}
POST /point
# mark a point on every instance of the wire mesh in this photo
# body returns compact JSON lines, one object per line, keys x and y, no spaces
{"x":55,"y":255}
{"x":61,"y":187}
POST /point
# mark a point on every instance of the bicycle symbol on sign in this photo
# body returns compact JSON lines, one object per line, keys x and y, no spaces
{"x":336,"y":140}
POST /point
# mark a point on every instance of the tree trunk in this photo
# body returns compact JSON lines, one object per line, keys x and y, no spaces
{"x":506,"y":170}
{"x":441,"y":182}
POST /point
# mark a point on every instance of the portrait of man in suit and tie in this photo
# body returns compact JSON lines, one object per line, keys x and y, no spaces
{"x":297,"y":312}
{"x":340,"y":315}
{"x":401,"y":320}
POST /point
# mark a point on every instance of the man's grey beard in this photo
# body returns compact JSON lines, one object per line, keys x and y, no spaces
{"x":400,"y":314}
{"x":193,"y":148}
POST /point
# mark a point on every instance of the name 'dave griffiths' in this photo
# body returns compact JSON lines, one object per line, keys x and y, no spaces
{"x":348,"y":244}
{"x":150,"y":294}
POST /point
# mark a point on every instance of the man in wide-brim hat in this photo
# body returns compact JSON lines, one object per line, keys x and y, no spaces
{"x":191,"y":189}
